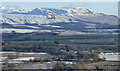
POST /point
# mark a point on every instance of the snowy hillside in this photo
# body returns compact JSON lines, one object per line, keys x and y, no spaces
{"x":20,"y":15}
{"x":72,"y":17}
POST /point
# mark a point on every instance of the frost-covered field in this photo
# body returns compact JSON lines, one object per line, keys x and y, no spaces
{"x":9,"y":30}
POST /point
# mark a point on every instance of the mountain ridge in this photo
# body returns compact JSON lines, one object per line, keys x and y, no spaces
{"x":18,"y":15}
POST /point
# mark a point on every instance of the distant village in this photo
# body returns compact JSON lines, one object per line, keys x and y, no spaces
{"x":13,"y":59}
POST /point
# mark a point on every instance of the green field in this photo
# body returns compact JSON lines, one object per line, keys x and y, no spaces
{"x":42,"y":41}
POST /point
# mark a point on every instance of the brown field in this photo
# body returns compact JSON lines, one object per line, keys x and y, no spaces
{"x":106,"y":65}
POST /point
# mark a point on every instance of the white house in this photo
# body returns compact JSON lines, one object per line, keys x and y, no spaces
{"x":110,"y":56}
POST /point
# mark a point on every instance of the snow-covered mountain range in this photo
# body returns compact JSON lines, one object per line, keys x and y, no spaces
{"x":57,"y":16}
